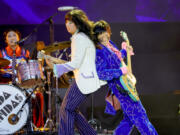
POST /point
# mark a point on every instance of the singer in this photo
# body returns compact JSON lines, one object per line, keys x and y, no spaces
{"x":83,"y":65}
{"x":11,"y":38}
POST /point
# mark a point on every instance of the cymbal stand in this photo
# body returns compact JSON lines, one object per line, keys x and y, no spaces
{"x":96,"y":124}
{"x":56,"y":97}
{"x":49,"y":123}
{"x":30,"y":124}
{"x":57,"y":106}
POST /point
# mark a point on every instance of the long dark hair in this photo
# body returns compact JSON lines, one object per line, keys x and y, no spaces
{"x":81,"y":21}
{"x":100,"y":27}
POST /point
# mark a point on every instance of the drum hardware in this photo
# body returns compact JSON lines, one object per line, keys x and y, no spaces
{"x":96,"y":124}
{"x":56,"y":100}
{"x":30,"y":126}
{"x":41,"y":89}
{"x":30,"y":92}
{"x":49,"y":122}
{"x":13,"y":119}
{"x":57,"y":106}
{"x":14,"y":62}
{"x":4,"y":62}
{"x":48,"y":69}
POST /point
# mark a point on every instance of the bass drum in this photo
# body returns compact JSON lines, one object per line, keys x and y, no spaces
{"x":11,"y":102}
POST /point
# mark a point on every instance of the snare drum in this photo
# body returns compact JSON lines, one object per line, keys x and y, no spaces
{"x":30,"y":74}
{"x":11,"y":101}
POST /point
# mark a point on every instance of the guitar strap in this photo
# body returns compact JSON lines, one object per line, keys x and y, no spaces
{"x":116,"y":51}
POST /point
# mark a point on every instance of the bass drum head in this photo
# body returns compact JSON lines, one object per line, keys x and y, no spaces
{"x":11,"y":101}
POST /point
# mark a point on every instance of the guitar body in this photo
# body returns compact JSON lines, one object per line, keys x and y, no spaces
{"x":128,"y":82}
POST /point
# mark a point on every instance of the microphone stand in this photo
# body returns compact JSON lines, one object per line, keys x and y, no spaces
{"x":57,"y":106}
{"x":30,"y":125}
{"x":51,"y":30}
{"x":14,"y":117}
{"x":29,"y":96}
{"x":96,"y":124}
{"x":36,"y":28}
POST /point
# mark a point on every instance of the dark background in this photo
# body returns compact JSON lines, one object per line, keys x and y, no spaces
{"x":114,"y":11}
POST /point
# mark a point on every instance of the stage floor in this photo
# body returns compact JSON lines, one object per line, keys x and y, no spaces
{"x":103,"y":132}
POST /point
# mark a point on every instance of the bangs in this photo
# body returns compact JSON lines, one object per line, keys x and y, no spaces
{"x":99,"y":30}
{"x":101,"y":26}
{"x":68,"y":17}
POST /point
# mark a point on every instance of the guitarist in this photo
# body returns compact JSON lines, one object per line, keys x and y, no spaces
{"x":108,"y":60}
{"x":83,"y":52}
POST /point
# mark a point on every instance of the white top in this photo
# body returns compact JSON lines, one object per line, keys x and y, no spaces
{"x":83,"y":55}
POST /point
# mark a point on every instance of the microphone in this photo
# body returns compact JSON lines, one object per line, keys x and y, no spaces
{"x":20,"y":41}
{"x":66,"y":8}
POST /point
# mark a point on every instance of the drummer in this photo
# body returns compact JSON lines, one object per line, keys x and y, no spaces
{"x":11,"y":38}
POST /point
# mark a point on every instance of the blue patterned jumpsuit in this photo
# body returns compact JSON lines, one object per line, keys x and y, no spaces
{"x":108,"y":68}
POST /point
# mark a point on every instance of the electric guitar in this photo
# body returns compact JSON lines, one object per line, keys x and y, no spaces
{"x":42,"y":55}
{"x":128,"y":80}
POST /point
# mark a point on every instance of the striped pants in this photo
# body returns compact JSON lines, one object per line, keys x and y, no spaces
{"x":70,"y":116}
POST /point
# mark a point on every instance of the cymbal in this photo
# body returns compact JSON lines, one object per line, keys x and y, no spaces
{"x":4,"y":62}
{"x":57,"y":46}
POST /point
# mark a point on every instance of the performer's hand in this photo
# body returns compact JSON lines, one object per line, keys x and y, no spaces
{"x":124,"y":70}
{"x":130,"y":48}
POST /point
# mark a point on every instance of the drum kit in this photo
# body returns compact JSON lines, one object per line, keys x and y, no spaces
{"x":15,"y":100}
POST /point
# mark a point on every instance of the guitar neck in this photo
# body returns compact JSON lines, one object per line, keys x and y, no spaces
{"x":128,"y":57}
{"x":53,"y":59}
{"x":57,"y":60}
